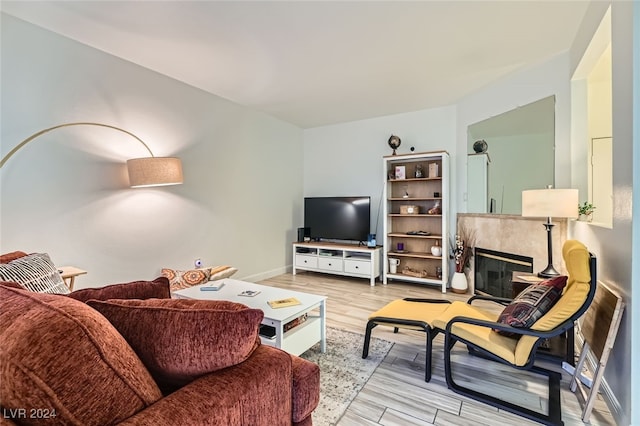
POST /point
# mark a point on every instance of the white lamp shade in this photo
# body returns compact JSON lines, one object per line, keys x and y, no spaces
{"x":550,"y":203}
{"x":154,"y":171}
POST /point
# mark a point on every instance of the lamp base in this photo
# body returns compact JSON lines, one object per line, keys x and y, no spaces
{"x":548,"y":272}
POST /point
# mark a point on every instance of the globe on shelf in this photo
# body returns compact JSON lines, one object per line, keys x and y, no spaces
{"x":394,"y":143}
{"x":480,"y":146}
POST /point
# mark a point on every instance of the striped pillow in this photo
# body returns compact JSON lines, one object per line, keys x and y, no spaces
{"x":220,"y":272}
{"x":35,"y":272}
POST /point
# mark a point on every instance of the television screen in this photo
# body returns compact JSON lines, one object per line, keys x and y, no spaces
{"x":338,"y":218}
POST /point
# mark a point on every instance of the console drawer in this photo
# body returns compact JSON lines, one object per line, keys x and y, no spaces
{"x":330,"y":263}
{"x":357,"y":267}
{"x":305,"y":261}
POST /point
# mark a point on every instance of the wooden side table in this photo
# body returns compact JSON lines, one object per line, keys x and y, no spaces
{"x":558,"y":347}
{"x":69,"y":274}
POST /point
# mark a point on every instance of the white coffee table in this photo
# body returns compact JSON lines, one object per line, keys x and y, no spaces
{"x":295,"y":341}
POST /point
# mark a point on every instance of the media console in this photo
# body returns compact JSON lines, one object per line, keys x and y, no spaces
{"x":338,"y":259}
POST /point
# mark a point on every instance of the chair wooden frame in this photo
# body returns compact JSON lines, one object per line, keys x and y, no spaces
{"x":599,"y":329}
{"x":554,"y":416}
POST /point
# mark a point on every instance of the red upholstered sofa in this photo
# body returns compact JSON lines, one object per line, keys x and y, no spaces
{"x":131,"y":356}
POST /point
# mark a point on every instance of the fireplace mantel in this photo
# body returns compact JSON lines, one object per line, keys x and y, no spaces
{"x":525,"y":236}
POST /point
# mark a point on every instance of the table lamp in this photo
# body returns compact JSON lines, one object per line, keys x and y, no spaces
{"x":550,"y":203}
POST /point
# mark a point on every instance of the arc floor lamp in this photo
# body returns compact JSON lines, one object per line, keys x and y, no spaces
{"x":143,"y":172}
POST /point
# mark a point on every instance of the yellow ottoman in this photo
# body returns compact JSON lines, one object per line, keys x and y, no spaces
{"x":413,"y":314}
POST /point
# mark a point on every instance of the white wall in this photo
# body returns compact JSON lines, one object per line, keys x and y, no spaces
{"x":614,"y":246}
{"x":346,"y":159}
{"x":66,"y":192}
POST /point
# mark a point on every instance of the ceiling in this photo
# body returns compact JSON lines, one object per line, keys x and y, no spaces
{"x":313,"y":63}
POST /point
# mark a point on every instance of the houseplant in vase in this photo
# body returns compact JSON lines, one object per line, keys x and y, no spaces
{"x":585,"y":211}
{"x":461,"y":252}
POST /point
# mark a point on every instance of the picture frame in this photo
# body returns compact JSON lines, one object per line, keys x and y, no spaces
{"x":401,"y":172}
{"x":433,"y":170}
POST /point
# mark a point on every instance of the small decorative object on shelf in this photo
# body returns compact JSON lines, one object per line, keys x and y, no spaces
{"x":419,"y":172}
{"x":436,"y":209}
{"x":413,"y":272}
{"x":393,"y":265}
{"x":480,"y":146}
{"x":585,"y":211}
{"x":409,"y":209}
{"x":436,"y":250}
{"x":433,"y":170}
{"x":394,"y":143}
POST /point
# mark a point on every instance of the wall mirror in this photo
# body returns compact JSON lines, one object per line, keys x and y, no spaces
{"x":520,"y":155}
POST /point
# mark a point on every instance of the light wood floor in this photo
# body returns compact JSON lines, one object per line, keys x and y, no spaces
{"x":396,"y":394}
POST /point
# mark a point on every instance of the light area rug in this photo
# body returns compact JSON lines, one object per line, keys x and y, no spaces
{"x":343,"y":372}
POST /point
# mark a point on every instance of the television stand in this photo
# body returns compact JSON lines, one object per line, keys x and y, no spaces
{"x":339,"y":259}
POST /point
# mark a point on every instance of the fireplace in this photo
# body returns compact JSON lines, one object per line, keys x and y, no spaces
{"x":493,"y":271}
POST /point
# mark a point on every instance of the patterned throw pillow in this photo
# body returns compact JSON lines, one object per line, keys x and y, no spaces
{"x":532,"y":303}
{"x":220,"y":272}
{"x":185,"y":279}
{"x":35,"y":272}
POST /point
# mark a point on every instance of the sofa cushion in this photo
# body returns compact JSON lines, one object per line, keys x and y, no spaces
{"x":58,"y":353}
{"x":184,"y":279}
{"x":532,"y":303}
{"x":8,"y":257}
{"x":156,"y":289}
{"x":35,"y":272}
{"x":180,"y":339}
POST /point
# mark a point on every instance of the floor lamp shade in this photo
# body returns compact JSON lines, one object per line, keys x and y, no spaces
{"x":154,"y":171}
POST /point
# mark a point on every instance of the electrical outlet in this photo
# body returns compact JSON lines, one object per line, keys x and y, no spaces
{"x":198,"y":263}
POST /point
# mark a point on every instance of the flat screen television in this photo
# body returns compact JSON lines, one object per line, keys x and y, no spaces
{"x":338,"y":218}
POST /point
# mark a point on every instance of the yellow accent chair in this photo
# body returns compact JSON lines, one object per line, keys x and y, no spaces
{"x":478,"y":330}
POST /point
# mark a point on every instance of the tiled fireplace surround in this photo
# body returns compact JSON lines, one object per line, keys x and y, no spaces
{"x":524,"y":236}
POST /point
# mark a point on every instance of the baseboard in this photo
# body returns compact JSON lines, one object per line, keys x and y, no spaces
{"x":266,"y":274}
{"x":614,"y":405}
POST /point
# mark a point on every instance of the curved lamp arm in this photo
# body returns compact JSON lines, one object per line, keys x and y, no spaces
{"x":149,"y":171}
{"x":42,"y":132}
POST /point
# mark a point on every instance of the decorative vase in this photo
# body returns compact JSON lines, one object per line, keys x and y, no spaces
{"x":436,"y":250}
{"x":459,"y":283}
{"x":586,"y":217}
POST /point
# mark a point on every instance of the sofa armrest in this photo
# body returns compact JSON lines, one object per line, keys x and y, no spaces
{"x":256,"y":392}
